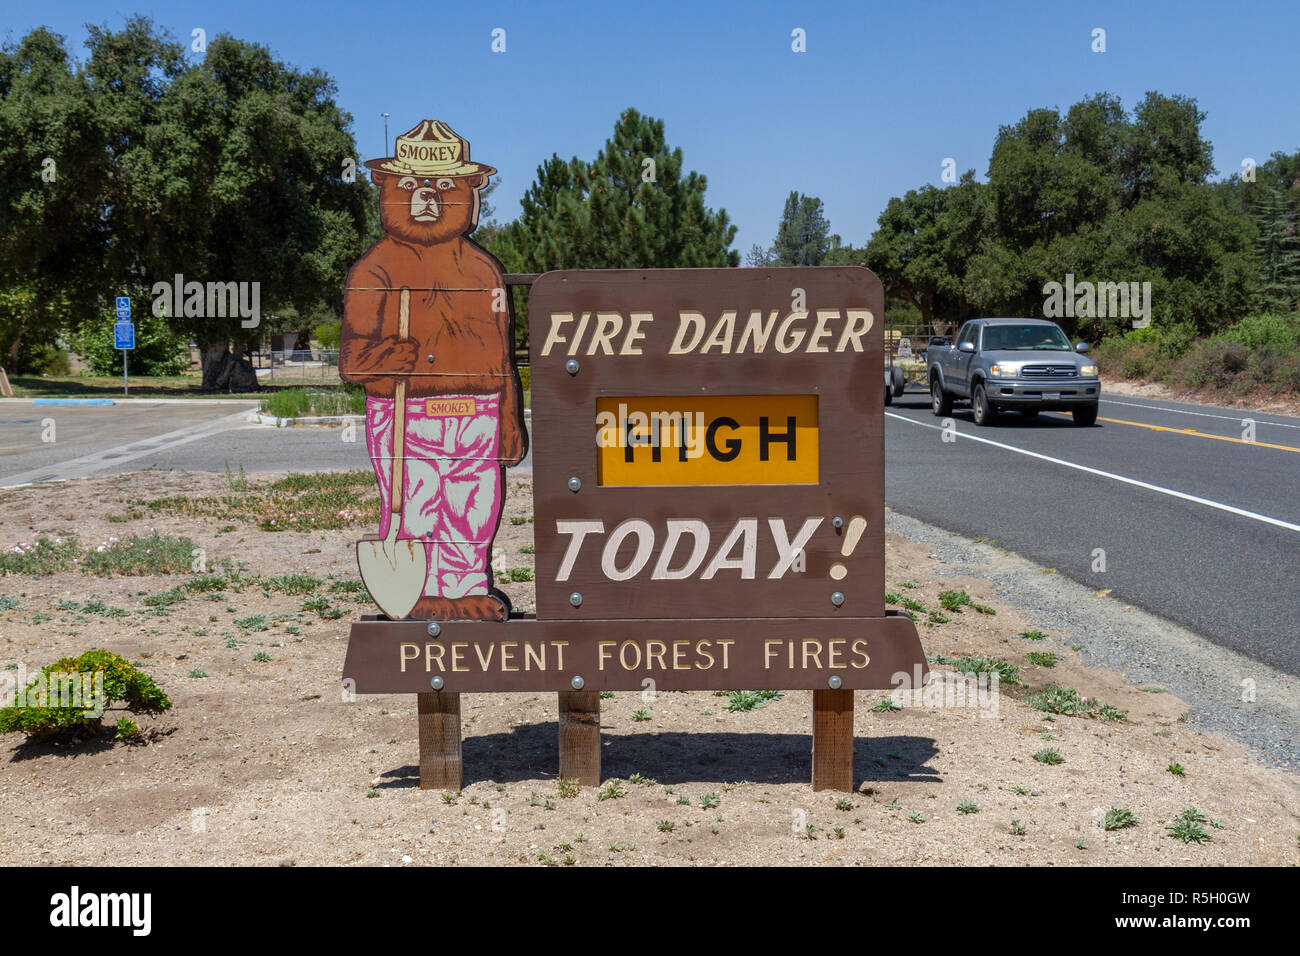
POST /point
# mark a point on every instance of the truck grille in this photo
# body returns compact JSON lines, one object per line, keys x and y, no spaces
{"x":1049,"y":371}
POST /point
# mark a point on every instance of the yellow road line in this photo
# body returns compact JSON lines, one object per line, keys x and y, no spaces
{"x":1195,"y":434}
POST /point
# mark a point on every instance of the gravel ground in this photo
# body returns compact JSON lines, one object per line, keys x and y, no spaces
{"x":263,"y":761}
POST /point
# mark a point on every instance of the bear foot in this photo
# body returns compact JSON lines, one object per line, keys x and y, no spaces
{"x":493,"y":606}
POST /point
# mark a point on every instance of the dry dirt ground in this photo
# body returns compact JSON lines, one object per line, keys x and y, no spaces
{"x":263,"y":762}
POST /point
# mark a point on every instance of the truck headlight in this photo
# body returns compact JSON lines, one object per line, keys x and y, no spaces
{"x":1005,"y":370}
{"x":1088,"y":371}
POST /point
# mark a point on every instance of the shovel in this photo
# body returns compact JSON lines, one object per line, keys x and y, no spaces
{"x":394,"y":571}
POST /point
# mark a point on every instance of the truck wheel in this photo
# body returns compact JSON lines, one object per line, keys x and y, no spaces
{"x":889,"y":395}
{"x":940,"y":401}
{"x":985,"y":413}
{"x":1029,"y":413}
{"x":1085,"y":414}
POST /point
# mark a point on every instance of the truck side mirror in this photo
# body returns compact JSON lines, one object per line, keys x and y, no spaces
{"x":1081,"y":347}
{"x":966,"y":347}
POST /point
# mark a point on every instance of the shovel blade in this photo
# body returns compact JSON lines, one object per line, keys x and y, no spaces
{"x":394,"y":572}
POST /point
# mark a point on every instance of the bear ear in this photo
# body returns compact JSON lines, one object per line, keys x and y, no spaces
{"x":479,"y":181}
{"x":378,"y":178}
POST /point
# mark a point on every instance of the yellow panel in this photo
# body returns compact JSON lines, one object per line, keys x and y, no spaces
{"x":714,"y":440}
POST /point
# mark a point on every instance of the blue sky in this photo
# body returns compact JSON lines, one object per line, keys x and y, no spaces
{"x":883,"y":94}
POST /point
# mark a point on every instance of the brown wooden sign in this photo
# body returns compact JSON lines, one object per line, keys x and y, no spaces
{"x":708,"y":478}
{"x":708,"y":443}
{"x":715,"y":654}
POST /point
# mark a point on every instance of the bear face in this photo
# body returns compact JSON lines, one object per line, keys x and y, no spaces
{"x":425,"y":211}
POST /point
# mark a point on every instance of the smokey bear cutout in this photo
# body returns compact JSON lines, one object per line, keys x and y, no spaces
{"x":428,"y":333}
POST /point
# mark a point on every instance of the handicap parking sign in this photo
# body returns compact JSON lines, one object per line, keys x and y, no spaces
{"x":123,"y":308}
{"x":123,"y":335}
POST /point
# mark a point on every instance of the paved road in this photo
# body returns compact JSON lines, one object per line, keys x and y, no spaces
{"x":1197,"y":523}
{"x":193,"y":436}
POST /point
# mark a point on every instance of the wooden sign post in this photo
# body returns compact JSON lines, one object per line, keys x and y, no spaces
{"x":708,"y":479}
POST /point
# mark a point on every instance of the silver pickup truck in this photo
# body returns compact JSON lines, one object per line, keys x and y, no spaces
{"x":1025,"y":365}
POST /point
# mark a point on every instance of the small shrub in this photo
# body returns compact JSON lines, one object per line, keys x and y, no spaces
{"x":1007,"y":672}
{"x":743,"y":700}
{"x":321,"y":605}
{"x":1177,"y":769}
{"x":206,"y":583}
{"x":1042,"y":658}
{"x":122,"y":682}
{"x":152,"y":553}
{"x":954,"y":600}
{"x":1117,"y":818}
{"x":1050,"y":756}
{"x":1187,"y":828}
{"x":1213,"y":364}
{"x":293,"y":583}
{"x":1066,"y":700}
{"x":612,"y":791}
{"x":45,"y":555}
{"x":969,"y":806}
{"x":1033,"y":635}
{"x":164,"y":598}
{"x":100,"y":609}
{"x":254,"y":622}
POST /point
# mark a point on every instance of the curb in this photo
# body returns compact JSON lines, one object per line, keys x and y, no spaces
{"x":72,"y":401}
{"x":265,"y":419}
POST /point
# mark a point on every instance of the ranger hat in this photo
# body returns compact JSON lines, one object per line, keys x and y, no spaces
{"x":431,"y":149}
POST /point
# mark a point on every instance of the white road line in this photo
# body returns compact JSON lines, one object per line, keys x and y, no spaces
{"x":98,"y":461}
{"x":1179,"y":411}
{"x":1277,"y":522}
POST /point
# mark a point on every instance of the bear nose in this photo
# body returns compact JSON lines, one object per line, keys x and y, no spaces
{"x":425,"y":195}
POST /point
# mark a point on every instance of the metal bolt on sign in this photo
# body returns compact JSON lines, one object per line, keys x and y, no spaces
{"x":575,"y":599}
{"x":571,"y":366}
{"x":578,"y":683}
{"x":837,"y":598}
{"x":575,"y":484}
{"x":436,"y":683}
{"x":835,"y":682}
{"x":434,"y":629}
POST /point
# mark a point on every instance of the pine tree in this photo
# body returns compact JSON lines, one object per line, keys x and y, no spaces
{"x":803,"y":236}
{"x":632,"y":207}
{"x":1277,"y":249}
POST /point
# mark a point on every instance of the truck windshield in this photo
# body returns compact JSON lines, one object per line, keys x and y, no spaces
{"x":1024,"y":338}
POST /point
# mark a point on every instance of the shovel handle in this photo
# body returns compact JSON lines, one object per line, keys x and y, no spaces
{"x":398,"y":497}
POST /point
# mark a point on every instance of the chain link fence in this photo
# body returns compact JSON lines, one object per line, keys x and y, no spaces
{"x":312,"y":366}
